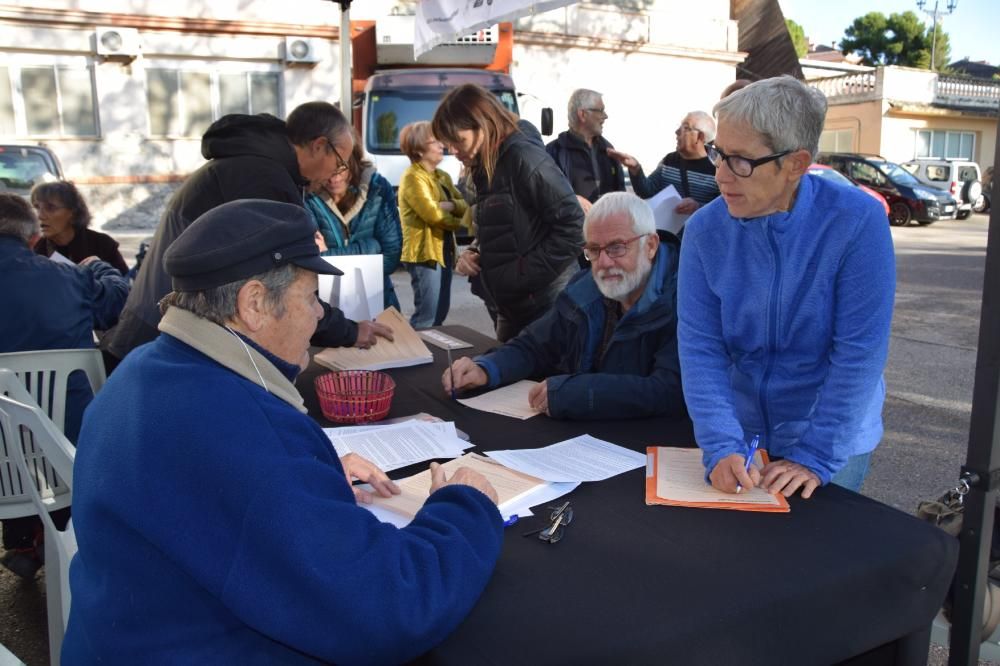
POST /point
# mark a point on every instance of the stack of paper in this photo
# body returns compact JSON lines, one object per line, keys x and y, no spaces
{"x":511,"y":400}
{"x":582,"y":458}
{"x":676,"y":477}
{"x":393,"y":446}
{"x":663,"y":204}
{"x":405,"y":350}
{"x":511,"y":486}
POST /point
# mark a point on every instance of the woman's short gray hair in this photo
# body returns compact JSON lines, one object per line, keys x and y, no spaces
{"x":786,"y":113}
{"x":219,"y":303}
{"x":622,"y":203}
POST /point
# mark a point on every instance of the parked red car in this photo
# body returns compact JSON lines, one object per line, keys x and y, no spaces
{"x":823,"y":171}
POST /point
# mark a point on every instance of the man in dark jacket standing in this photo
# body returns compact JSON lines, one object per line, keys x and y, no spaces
{"x":582,"y":152}
{"x":608,"y":347}
{"x":250,"y":157}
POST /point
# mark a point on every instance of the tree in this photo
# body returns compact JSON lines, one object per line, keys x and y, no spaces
{"x":900,"y":39}
{"x":798,"y":36}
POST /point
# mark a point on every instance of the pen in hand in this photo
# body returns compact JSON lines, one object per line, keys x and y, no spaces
{"x":451,"y":372}
{"x":750,"y":456}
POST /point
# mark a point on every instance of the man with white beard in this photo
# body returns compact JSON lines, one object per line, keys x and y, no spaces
{"x":608,"y":347}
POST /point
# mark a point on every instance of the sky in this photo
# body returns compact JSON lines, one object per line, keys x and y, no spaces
{"x":971,"y":28}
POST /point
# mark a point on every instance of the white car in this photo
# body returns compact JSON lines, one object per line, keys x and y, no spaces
{"x":960,"y":177}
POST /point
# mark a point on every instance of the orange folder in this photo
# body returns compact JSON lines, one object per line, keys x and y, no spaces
{"x":676,"y":477}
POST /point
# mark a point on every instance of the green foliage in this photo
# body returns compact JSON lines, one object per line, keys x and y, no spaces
{"x":798,"y":36}
{"x":899,"y":39}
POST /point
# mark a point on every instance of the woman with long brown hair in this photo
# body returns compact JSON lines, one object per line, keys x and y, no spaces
{"x":529,"y":224}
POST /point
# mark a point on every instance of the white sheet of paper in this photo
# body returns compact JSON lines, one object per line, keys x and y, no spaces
{"x":680,"y":476}
{"x":583,"y":458}
{"x":359,"y":291}
{"x":393,"y":446}
{"x":509,"y":400}
{"x":662,"y":204}
{"x":520,"y":507}
{"x":61,"y":259}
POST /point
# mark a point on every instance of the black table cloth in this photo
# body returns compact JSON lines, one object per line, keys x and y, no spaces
{"x":841,"y":578}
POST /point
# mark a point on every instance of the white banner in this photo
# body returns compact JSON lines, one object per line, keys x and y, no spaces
{"x":440,"y":21}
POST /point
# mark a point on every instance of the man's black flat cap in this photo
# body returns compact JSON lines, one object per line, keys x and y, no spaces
{"x":243,"y":238}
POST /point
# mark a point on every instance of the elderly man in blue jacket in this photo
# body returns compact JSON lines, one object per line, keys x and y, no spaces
{"x":215,"y":522}
{"x":608,"y":347}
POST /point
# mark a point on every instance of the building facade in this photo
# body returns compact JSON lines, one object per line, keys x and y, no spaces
{"x":902,"y":113}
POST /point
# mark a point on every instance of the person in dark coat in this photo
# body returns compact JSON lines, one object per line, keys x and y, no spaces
{"x":527,"y":217}
{"x":582,"y":152}
{"x":64,"y":217}
{"x":608,"y":348}
{"x":249,"y":156}
{"x":48,"y":305}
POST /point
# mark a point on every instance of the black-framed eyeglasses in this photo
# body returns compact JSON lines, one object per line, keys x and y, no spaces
{"x":614,"y":250}
{"x":560,"y":517}
{"x":741,"y":166}
{"x":342,"y":166}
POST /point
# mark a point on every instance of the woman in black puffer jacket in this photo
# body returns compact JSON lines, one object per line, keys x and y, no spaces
{"x":529,"y":224}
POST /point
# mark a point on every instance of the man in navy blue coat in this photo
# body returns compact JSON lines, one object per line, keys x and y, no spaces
{"x":48,"y":305}
{"x":608,"y":347}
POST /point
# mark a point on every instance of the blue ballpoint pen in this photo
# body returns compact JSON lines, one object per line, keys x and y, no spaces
{"x":750,"y":456}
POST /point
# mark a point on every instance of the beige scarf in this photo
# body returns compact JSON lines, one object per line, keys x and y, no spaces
{"x":229,"y":350}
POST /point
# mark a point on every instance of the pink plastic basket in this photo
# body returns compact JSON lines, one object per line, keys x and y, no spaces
{"x":355,"y":396}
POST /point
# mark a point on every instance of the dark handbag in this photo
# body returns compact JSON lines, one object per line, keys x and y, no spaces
{"x":947,"y":513}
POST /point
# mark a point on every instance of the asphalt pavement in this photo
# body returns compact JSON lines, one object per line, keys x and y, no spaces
{"x":929,"y":381}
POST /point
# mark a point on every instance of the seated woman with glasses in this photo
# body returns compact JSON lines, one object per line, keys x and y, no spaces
{"x":64,"y":217}
{"x":355,"y":210}
{"x":785,"y":298}
{"x":431,"y":208}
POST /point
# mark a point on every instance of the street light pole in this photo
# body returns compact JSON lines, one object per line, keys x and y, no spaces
{"x":346,"y":93}
{"x":952,"y":4}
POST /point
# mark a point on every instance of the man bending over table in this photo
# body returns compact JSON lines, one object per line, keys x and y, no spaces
{"x":215,"y":522}
{"x":608,"y":347}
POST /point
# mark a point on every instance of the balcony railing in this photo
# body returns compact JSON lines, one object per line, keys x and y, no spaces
{"x":861,"y":84}
{"x":953,"y":90}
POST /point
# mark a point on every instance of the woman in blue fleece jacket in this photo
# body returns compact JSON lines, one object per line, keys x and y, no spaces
{"x":785,"y":298}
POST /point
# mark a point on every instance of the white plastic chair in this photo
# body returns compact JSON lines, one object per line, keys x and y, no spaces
{"x":45,"y":373}
{"x":14,"y":500}
{"x":23,"y":426}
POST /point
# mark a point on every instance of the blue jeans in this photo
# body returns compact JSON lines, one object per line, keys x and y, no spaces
{"x":853,"y":474}
{"x":431,"y":294}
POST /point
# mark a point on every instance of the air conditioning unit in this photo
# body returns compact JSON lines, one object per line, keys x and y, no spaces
{"x":117,"y":43}
{"x":301,"y":51}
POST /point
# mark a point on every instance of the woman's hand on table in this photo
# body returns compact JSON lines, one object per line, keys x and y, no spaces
{"x":369,"y":332}
{"x":786,"y":477}
{"x":538,"y":397}
{"x":463,"y":476}
{"x":468,"y":263}
{"x":466,"y":373}
{"x":731,"y":472}
{"x":356,"y":467}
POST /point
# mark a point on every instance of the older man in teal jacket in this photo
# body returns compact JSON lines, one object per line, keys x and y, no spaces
{"x":608,"y":347}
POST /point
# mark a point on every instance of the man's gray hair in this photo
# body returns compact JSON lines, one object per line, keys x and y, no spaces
{"x":622,"y":203}
{"x":581,"y":99}
{"x":784,"y":112}
{"x":17,"y":217}
{"x":704,"y":123}
{"x":219,"y":303}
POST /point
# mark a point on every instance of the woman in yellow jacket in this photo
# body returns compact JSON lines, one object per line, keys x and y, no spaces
{"x":430,"y":209}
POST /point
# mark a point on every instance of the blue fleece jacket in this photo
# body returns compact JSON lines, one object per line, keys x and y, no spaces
{"x":640,"y":373}
{"x":784,"y":327}
{"x":216,"y":526}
